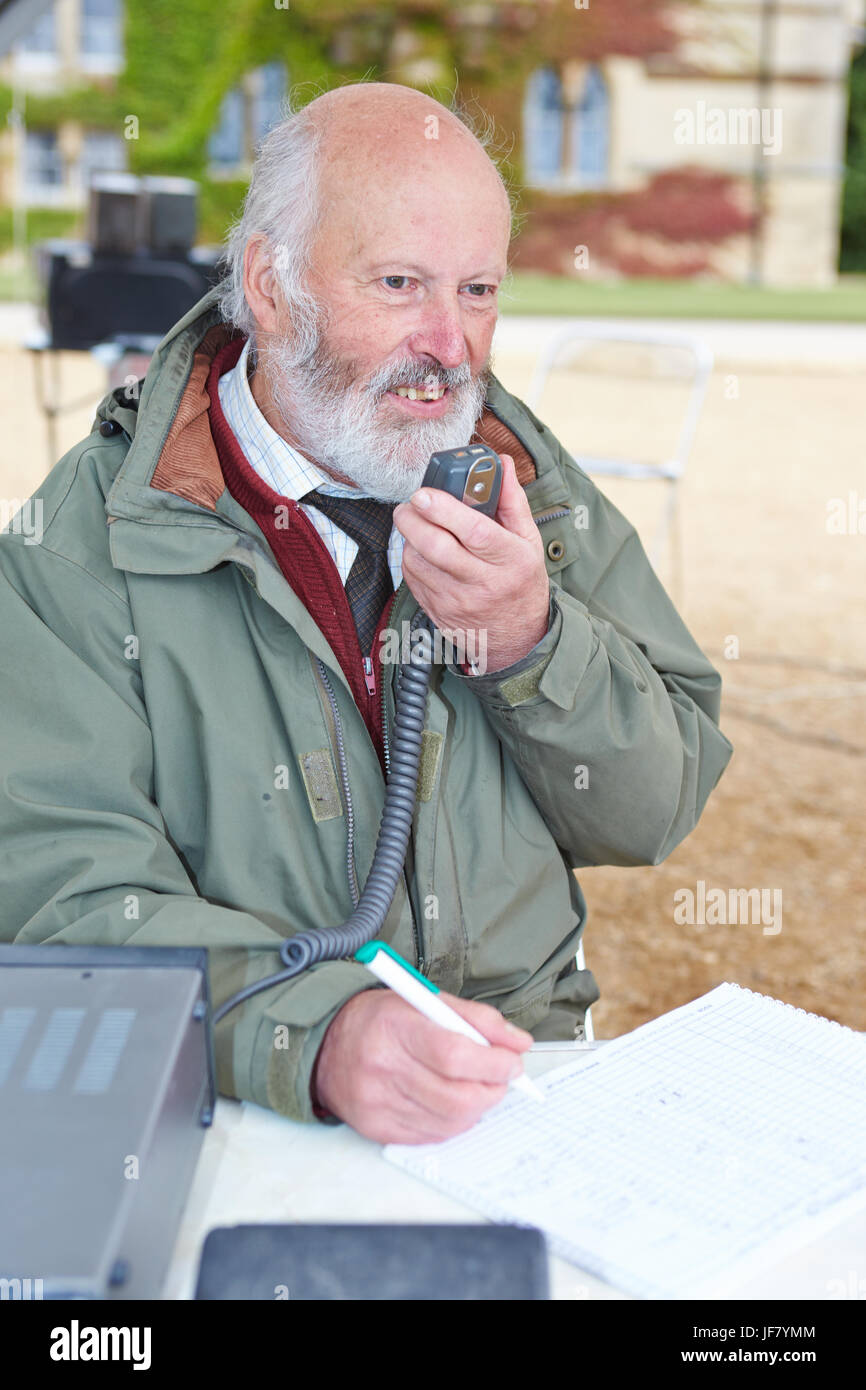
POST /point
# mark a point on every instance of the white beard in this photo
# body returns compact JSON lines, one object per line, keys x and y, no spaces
{"x":337,"y":422}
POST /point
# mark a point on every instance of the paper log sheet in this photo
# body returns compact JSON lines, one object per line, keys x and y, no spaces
{"x":682,"y":1157}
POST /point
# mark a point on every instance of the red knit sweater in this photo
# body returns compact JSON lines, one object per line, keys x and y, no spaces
{"x":301,"y":554}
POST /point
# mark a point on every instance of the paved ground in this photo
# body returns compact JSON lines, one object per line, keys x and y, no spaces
{"x":781,"y":436}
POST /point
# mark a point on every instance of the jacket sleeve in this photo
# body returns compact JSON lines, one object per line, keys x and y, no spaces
{"x":612,"y":719}
{"x":85,"y":856}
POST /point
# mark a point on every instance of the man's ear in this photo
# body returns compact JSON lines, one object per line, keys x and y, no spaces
{"x":261,"y":286}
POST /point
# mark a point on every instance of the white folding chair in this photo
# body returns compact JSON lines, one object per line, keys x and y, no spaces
{"x":669,"y":470}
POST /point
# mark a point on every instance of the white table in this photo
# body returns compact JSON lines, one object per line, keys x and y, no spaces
{"x":256,"y":1166}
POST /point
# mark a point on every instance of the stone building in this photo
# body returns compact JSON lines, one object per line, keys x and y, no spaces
{"x":757,"y":89}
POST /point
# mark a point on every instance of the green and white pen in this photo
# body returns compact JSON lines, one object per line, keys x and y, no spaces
{"x":422,"y":994}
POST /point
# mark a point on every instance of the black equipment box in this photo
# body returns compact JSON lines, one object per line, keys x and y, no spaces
{"x":307,"y":1263}
{"x":106,"y":1087}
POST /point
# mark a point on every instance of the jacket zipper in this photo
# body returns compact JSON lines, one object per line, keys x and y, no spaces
{"x":368,"y":667}
{"x":551,"y":515}
{"x":383,"y":714}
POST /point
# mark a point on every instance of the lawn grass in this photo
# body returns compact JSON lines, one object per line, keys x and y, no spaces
{"x":531,"y":293}
{"x":18,"y":285}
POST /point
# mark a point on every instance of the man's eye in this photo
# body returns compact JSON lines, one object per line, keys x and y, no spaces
{"x":484,"y":290}
{"x":389,"y":279}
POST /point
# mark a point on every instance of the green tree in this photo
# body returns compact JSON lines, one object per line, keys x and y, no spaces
{"x":852,"y":255}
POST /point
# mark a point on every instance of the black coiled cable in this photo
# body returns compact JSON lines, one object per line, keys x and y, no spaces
{"x":299,"y":952}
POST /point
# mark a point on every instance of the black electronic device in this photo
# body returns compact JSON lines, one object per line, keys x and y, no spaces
{"x":149,"y":213}
{"x":92,"y":298}
{"x":107,"y":1085}
{"x":473,"y":474}
{"x":311,"y":1263}
{"x":137,"y":273}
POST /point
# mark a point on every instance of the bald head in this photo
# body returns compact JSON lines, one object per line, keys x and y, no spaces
{"x":383,"y":134}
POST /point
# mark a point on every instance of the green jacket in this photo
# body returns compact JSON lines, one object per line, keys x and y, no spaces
{"x":169,"y":773}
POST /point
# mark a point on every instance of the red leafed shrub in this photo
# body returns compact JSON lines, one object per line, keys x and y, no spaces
{"x":687,"y":205}
{"x":558,"y":29}
{"x":636,"y":266}
{"x":667,"y":229}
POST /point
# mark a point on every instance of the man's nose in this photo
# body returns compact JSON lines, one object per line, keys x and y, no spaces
{"x":440,"y":333}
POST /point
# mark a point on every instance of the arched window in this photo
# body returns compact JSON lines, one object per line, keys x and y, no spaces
{"x":543,"y":113}
{"x":226,"y":144}
{"x":246,"y":115}
{"x":566,"y":144}
{"x":590,"y":132}
{"x":269,"y":92}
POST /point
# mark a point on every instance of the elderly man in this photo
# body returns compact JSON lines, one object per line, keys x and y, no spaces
{"x":197,"y":697}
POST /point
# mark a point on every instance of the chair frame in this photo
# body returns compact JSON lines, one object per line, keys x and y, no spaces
{"x":671,"y":470}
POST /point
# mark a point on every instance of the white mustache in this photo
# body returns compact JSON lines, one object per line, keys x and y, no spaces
{"x":387,"y":378}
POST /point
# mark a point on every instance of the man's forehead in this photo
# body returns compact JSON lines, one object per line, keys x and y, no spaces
{"x":416,"y":220}
{"x":369,"y":113}
{"x":382,"y":182}
{"x":405,"y":251}
{"x":374,"y":160}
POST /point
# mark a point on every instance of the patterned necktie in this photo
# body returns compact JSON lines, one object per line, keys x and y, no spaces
{"x":369,"y":586}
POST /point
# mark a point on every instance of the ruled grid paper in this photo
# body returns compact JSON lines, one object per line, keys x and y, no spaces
{"x":681,"y":1158}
